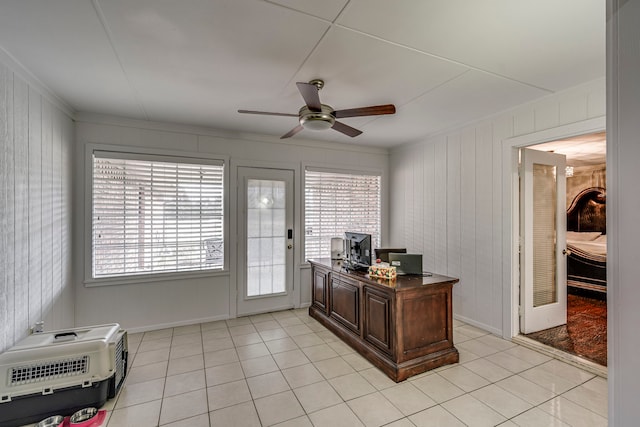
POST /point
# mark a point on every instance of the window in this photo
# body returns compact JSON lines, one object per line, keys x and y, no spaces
{"x":155,"y":214}
{"x":337,"y":202}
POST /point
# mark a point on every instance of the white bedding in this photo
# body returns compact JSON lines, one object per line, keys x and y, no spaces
{"x":583,"y":236}
{"x":597,"y":247}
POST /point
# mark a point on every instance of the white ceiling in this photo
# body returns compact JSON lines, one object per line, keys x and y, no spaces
{"x":583,"y":150}
{"x":442,"y":63}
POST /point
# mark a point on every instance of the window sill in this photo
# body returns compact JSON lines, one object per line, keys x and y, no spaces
{"x":153,"y":278}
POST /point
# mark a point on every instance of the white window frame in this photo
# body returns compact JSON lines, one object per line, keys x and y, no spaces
{"x":150,"y":154}
{"x":376,"y":242}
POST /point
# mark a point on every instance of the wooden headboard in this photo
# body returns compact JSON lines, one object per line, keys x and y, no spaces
{"x":588,"y":211}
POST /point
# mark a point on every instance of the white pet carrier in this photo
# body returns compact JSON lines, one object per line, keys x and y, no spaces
{"x":60,"y":372}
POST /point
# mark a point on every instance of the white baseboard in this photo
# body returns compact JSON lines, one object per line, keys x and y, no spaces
{"x":196,"y":321}
{"x":176,"y":324}
{"x":494,"y":331}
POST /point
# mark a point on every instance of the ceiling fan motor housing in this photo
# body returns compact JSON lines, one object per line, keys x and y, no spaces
{"x":317,"y":120}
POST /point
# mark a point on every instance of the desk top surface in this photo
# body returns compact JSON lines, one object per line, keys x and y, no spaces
{"x":400,"y":283}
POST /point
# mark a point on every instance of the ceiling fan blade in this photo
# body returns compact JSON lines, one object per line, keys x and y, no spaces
{"x":376,"y":110}
{"x":310,"y":94}
{"x":292,"y":132}
{"x":266,"y":113}
{"x":347,"y":130}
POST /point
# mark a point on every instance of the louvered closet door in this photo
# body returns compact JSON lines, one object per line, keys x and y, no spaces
{"x":543,"y":284}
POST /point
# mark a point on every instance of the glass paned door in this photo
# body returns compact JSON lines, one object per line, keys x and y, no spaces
{"x":543,"y":284}
{"x":266,"y":237}
{"x":266,"y":240}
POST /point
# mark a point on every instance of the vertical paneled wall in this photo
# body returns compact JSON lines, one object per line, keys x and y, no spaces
{"x":623,"y":204}
{"x":36,"y":140}
{"x":446,"y":197}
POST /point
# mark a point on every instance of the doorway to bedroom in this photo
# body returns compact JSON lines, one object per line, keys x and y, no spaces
{"x":563,"y":250}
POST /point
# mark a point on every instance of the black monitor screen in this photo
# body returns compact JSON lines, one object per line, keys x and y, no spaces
{"x":358,"y":249}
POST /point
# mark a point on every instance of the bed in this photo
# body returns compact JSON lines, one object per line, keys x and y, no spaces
{"x":587,"y":242}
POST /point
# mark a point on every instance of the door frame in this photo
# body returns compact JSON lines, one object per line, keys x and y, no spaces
{"x":234,"y":286}
{"x":247,"y":305}
{"x":511,"y":211}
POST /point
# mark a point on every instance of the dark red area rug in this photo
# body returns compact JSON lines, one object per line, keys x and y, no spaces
{"x":585,"y":333}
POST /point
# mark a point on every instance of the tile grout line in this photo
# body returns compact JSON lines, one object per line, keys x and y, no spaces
{"x":204,"y":372}
{"x":356,"y":371}
{"x":165,"y":378}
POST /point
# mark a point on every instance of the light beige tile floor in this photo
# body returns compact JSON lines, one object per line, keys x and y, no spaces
{"x":286,"y":369}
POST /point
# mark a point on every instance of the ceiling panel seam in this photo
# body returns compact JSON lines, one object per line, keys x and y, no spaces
{"x":415,"y":98}
{"x":301,"y":12}
{"x":330,"y":24}
{"x":103,"y":21}
{"x":306,"y":58}
{"x":442,"y":58}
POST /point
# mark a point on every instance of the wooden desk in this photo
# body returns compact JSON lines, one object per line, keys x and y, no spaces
{"x":403,"y":326}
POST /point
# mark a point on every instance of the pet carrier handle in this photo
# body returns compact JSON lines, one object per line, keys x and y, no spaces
{"x":65,"y":336}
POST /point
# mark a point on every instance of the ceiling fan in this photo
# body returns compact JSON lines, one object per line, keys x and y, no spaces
{"x":317,"y":116}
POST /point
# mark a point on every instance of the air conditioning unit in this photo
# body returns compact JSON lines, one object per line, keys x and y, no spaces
{"x":60,"y":372}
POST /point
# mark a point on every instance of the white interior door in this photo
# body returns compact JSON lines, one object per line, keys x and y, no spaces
{"x":543,"y":283}
{"x":265,"y":240}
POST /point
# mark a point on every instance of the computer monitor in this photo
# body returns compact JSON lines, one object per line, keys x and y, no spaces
{"x":357,"y":250}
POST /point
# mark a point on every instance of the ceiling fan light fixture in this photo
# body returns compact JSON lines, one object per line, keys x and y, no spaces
{"x":318,"y":117}
{"x":317,"y":120}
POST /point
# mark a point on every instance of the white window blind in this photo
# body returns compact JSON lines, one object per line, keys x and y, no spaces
{"x":337,"y":202}
{"x":155,"y":214}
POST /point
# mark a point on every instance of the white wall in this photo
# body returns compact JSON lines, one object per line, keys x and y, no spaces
{"x":623,"y":207}
{"x":446,"y":198}
{"x":144,"y":306}
{"x":36,"y":143}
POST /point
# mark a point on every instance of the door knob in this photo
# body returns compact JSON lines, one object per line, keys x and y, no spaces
{"x":289,"y":246}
